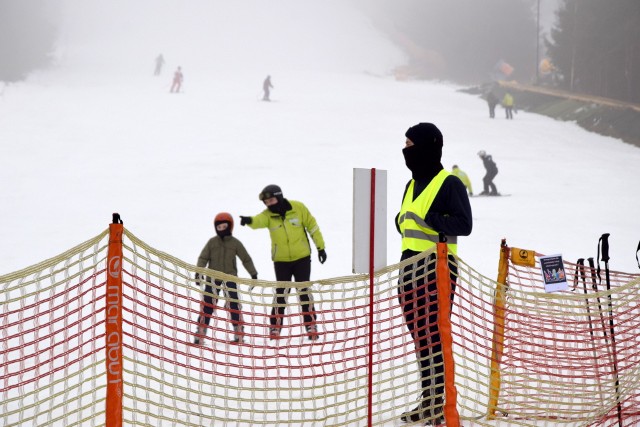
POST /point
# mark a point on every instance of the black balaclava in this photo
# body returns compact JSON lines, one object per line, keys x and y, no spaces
{"x":226,"y":231}
{"x":423,"y":158}
{"x":281,"y":207}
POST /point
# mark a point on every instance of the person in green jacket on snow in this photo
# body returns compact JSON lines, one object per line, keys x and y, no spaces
{"x":220,"y":254}
{"x":507,"y":103}
{"x":455,"y":170}
{"x":289,"y":223}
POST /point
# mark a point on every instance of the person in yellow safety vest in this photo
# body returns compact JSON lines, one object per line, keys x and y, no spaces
{"x":507,"y":103}
{"x":434,"y":202}
{"x":455,"y":170}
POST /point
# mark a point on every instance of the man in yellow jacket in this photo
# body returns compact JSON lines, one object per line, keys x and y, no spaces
{"x":289,"y":223}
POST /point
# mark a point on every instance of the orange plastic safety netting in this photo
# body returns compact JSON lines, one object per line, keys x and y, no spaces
{"x":522,"y":356}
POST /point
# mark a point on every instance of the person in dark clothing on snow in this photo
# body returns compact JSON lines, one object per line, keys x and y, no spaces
{"x":289,"y":222}
{"x":492,"y":101}
{"x":220,"y":254}
{"x":434,"y":201}
{"x":266,"y":87}
{"x":491,"y":172}
{"x":159,"y":64}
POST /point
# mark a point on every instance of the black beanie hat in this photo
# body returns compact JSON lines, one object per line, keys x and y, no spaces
{"x":425,"y":134}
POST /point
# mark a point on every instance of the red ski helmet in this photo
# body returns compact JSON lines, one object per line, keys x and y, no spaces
{"x":224,"y":217}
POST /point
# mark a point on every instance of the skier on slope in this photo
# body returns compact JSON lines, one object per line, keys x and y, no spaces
{"x":266,"y":87}
{"x":289,"y":222}
{"x":220,"y":254}
{"x":492,"y":101}
{"x":159,"y":64}
{"x":491,"y":172}
{"x":455,"y":170}
{"x":507,"y":103}
{"x":178,"y":77}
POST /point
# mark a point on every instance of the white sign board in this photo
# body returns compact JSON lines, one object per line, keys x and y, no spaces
{"x":362,"y":213}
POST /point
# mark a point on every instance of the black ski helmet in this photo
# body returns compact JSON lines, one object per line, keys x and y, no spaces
{"x":270,"y":191}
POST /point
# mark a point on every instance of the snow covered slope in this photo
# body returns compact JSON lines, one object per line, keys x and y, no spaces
{"x":100,"y":134}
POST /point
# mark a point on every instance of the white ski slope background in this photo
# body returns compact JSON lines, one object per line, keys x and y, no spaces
{"x":98,"y":133}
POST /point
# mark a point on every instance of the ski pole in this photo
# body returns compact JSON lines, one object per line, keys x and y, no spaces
{"x":594,"y":284}
{"x":604,"y":244}
{"x":583,"y":276}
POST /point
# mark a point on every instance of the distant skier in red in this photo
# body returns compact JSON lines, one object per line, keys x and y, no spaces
{"x":177,"y":80}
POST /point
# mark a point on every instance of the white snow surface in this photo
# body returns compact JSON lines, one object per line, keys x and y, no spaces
{"x":98,"y":133}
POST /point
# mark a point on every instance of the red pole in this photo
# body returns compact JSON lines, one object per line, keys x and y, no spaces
{"x":372,"y":217}
{"x":114,"y":325}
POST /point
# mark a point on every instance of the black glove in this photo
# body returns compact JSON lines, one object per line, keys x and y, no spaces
{"x":254,"y":276}
{"x":197,"y":280}
{"x":322,"y":256}
{"x":244,"y":220}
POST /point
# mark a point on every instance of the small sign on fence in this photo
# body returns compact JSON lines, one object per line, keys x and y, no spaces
{"x":553,"y":273}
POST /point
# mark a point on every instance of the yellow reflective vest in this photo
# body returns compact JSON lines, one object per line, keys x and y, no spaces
{"x":417,"y":236}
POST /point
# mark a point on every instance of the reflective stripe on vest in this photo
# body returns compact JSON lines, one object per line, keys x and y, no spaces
{"x":416,"y":234}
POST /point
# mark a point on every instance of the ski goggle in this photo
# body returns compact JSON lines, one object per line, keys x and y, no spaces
{"x":269,"y":194}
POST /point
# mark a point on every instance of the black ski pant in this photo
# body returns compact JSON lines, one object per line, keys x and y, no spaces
{"x":210,"y":300}
{"x":418,"y":296}
{"x":300,"y":271}
{"x":509,"y":112}
{"x":487,"y":181}
{"x":492,"y":110}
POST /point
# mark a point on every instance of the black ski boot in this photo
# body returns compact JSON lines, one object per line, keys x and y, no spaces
{"x":201,"y":332}
{"x":428,"y":410}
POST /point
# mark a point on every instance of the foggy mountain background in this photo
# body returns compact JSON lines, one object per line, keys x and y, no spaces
{"x":457,"y":40}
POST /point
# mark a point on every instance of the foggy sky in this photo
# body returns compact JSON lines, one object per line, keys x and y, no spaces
{"x":205,"y":36}
{"x":224,"y":36}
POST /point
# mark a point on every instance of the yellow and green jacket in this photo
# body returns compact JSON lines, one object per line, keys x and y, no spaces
{"x":463,"y":177}
{"x":507,"y":100}
{"x":289,"y":235}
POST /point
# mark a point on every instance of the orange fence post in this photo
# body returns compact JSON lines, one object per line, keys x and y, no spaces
{"x":497,"y":341}
{"x":114,"y":325}
{"x":443,"y":283}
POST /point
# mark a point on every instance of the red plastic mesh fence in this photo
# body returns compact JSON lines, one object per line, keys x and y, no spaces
{"x":557,"y":362}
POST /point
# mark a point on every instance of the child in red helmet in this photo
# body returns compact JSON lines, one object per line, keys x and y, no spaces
{"x":220,"y":254}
